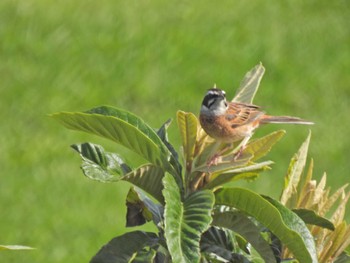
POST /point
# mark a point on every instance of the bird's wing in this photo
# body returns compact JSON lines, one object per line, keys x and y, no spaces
{"x":241,"y":114}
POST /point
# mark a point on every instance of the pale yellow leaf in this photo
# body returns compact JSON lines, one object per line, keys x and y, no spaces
{"x":295,"y":171}
{"x":319,"y":191}
{"x":339,"y":213}
{"x":249,"y":85}
{"x":331,"y":200}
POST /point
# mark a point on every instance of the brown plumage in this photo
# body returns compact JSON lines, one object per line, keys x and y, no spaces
{"x":234,"y":121}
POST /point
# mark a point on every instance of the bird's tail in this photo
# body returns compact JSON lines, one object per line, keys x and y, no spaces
{"x":284,"y":119}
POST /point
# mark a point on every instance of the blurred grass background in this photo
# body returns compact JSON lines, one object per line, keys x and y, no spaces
{"x":152,"y":58}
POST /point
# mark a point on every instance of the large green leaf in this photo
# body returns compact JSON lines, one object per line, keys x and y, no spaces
{"x":282,"y":222}
{"x":294,"y":173}
{"x":100,"y":165}
{"x":122,"y":127}
{"x":296,"y":224}
{"x":187,"y":123}
{"x":260,"y":147}
{"x":249,"y":85}
{"x":217,"y":241}
{"x":241,"y":224}
{"x":109,"y":167}
{"x":244,"y":172}
{"x":311,"y":218}
{"x":185,"y":221}
{"x":148,"y":177}
{"x":124,"y":248}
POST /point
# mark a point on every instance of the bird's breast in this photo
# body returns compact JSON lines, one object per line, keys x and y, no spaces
{"x":220,"y":128}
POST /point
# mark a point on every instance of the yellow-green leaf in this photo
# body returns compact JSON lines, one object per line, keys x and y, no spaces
{"x":250,"y":84}
{"x":260,"y":147}
{"x":282,"y":222}
{"x":188,"y":125}
{"x":295,"y":170}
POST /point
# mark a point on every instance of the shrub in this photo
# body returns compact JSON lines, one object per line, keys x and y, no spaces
{"x":199,"y":218}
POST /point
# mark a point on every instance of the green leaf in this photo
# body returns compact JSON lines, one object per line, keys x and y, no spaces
{"x":148,"y":177}
{"x":226,"y":164}
{"x":296,"y":224}
{"x":343,"y":258}
{"x":140,"y":208}
{"x":235,"y":258}
{"x":222,"y":179}
{"x":245,"y":172}
{"x":249,"y":85}
{"x":260,"y":147}
{"x":311,"y":218}
{"x":174,"y":158}
{"x":144,"y":256}
{"x":217,"y":241}
{"x":242,"y":225}
{"x":14,"y":247}
{"x":100,"y":165}
{"x":293,"y":176}
{"x":109,"y":167}
{"x":187,"y":123}
{"x":122,"y":127}
{"x":185,"y":221}
{"x":283,"y":223}
{"x":124,"y":248}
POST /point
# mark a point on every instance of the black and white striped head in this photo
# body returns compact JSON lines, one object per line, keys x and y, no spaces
{"x":214,"y":102}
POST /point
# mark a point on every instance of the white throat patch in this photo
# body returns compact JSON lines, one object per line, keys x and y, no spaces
{"x":218,"y":108}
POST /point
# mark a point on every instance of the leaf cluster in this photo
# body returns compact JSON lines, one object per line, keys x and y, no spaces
{"x":199,"y":217}
{"x":313,"y":201}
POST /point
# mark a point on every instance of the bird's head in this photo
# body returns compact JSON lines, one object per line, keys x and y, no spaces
{"x":214,"y":102}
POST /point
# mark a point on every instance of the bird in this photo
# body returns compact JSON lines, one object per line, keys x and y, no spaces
{"x":232,"y":121}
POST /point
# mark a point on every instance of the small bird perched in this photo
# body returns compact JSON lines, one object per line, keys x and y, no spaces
{"x":228,"y":121}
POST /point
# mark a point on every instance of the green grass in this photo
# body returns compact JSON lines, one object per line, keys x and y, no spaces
{"x":151,"y":58}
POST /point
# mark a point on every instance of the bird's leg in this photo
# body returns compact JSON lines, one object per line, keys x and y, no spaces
{"x":240,"y":148}
{"x":214,"y":155}
{"x":217,"y":152}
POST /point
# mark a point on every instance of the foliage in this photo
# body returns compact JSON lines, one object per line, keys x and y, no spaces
{"x":199,"y":217}
{"x":311,"y":202}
